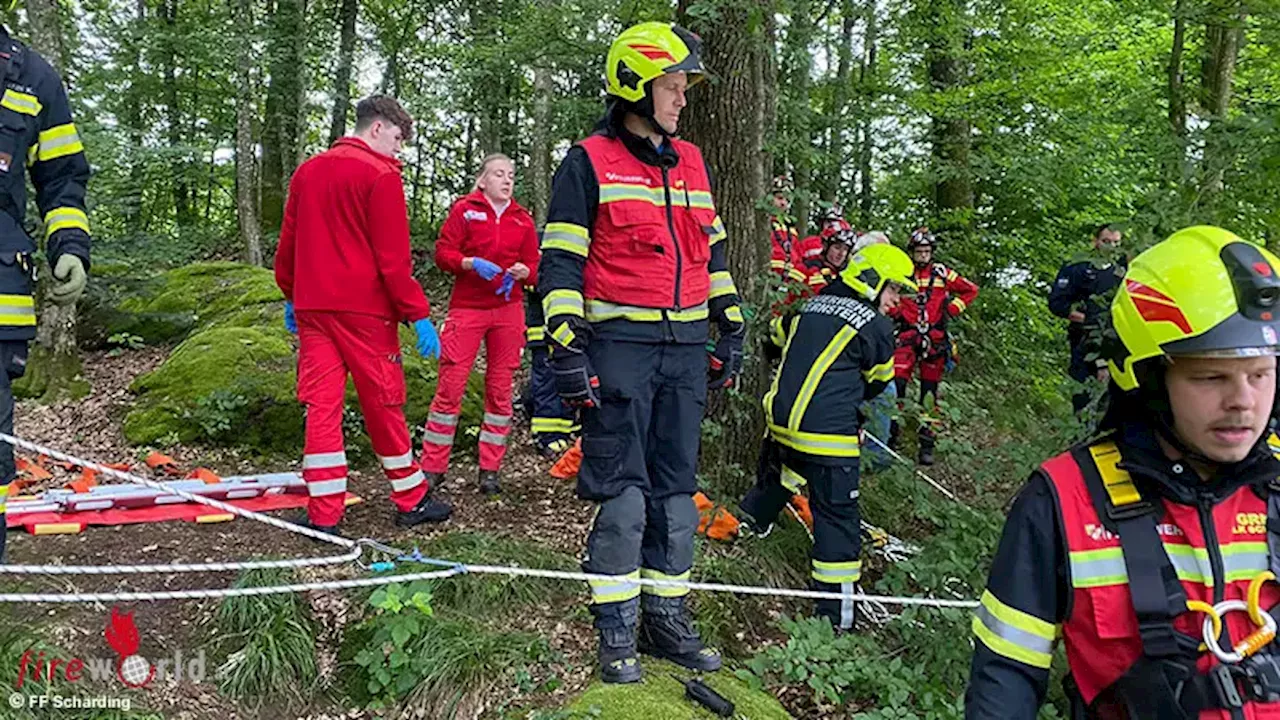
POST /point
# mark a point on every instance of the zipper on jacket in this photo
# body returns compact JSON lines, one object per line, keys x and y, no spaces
{"x":1205,"y":505}
{"x":671,"y":227}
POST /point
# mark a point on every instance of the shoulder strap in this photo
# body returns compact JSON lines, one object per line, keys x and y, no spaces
{"x":17,"y":55}
{"x":1158,"y":596}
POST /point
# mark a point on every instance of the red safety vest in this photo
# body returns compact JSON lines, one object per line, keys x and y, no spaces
{"x":652,"y":238}
{"x":1101,"y":634}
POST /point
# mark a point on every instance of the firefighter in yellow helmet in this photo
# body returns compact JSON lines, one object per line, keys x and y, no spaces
{"x":40,"y":141}
{"x":1123,"y":546}
{"x":633,"y":274}
{"x":838,"y":352}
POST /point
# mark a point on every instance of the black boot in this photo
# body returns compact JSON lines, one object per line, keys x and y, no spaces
{"x":666,"y":631}
{"x":304,"y":519}
{"x":428,"y":509}
{"x":926,"y":446}
{"x":489,"y":485}
{"x":895,"y":435}
{"x":616,"y":627}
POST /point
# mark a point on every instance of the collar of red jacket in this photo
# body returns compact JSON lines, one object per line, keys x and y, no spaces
{"x":355,"y":142}
{"x":477,"y":199}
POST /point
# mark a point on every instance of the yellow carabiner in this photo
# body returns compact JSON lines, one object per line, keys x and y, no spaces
{"x":1255,"y":596}
{"x":1214,"y":617}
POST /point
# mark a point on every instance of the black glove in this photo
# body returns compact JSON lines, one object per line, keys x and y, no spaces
{"x":725,"y":362}
{"x":576,"y":383}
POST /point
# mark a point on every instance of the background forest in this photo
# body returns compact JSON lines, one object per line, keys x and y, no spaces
{"x":1012,"y":127}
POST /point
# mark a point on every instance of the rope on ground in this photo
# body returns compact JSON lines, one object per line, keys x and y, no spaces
{"x":353,"y":556}
{"x":937,"y":485}
{"x":461,"y":568}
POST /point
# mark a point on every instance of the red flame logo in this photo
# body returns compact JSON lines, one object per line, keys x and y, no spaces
{"x":122,"y":635}
{"x":653,"y":52}
{"x":1155,"y":306}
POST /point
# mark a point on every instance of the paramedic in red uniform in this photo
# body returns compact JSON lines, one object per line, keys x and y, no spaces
{"x":489,"y":243}
{"x":344,"y":267}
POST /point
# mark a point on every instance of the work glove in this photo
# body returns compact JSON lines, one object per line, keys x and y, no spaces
{"x":725,"y":362}
{"x":69,"y":279}
{"x":508,"y":283}
{"x":428,"y":340}
{"x":484,"y":268}
{"x":576,"y":383}
{"x":290,"y":320}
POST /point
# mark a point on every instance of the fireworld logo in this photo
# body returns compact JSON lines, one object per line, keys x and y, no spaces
{"x":129,"y":667}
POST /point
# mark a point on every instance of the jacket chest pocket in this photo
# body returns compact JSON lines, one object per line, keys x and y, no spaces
{"x":643,"y":230}
{"x":479,"y":238}
{"x":15,"y":141}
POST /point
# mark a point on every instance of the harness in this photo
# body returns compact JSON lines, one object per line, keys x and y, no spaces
{"x":1164,"y":683}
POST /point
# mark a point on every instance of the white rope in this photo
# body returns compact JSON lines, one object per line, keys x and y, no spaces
{"x":162,"y":487}
{"x":483,"y":570}
{"x":937,"y":485}
{"x":352,"y":556}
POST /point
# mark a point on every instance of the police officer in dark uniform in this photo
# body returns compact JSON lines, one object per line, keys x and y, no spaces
{"x":36,"y":133}
{"x":1080,"y":295}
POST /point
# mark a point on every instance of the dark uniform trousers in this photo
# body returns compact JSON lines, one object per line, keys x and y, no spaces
{"x":639,"y":459}
{"x":13,"y":358}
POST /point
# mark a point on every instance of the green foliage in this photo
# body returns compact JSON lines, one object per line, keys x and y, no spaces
{"x":662,"y":696}
{"x":266,"y":644}
{"x":486,"y":595}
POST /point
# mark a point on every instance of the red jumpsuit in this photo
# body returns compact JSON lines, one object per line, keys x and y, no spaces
{"x":922,"y":321}
{"x":476,"y":313}
{"x":786,"y":260}
{"x":344,"y":262}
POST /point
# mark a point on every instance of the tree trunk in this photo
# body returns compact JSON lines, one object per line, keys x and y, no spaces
{"x":280,"y":126}
{"x":246,"y":105}
{"x":869,"y":83}
{"x":726,"y":118}
{"x":182,"y":196}
{"x":839,"y":111}
{"x":950,"y":135}
{"x":342,"y":78}
{"x":54,"y":368}
{"x":1224,"y":35}
{"x":540,"y":145}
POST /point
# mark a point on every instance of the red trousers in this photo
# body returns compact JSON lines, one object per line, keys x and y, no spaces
{"x":907,"y":355}
{"x":331,"y":346}
{"x":502,"y":331}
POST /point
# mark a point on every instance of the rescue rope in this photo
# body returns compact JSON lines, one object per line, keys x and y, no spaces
{"x":937,"y":485}
{"x":450,"y":568}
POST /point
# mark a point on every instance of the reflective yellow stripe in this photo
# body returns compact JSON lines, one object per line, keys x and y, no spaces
{"x":733,"y":313}
{"x":880,"y":373}
{"x":701,"y":199}
{"x":568,"y":237}
{"x":660,"y":590}
{"x":1117,"y":482}
{"x":615,"y":589}
{"x":820,"y":367}
{"x":535,"y":334}
{"x":59,"y":142}
{"x":835,"y":573}
{"x":1014,"y":634}
{"x":603,"y":310}
{"x":4,"y":493}
{"x":562,"y":302}
{"x":563,"y":335}
{"x":65,"y":217}
{"x":721,"y":285}
{"x":959,"y":304}
{"x":17,"y":310}
{"x":21,"y":102}
{"x":777,"y":332}
{"x":797,"y":275}
{"x":621,"y":192}
{"x":551,"y":425}
{"x":792,"y":480}
{"x":845,"y":446}
{"x":717,"y":230}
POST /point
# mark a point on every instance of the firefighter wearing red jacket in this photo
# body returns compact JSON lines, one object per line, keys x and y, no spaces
{"x":785,"y":257}
{"x":922,"y":330}
{"x":829,"y":223}
{"x":344,"y":267}
{"x":1149,"y":551}
{"x":490,"y":244}
{"x":633,"y":269}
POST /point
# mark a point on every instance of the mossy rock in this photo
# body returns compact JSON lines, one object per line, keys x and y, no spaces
{"x":227,"y":385}
{"x":661,"y":696}
{"x":169,"y":306}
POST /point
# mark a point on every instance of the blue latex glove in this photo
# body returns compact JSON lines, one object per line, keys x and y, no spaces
{"x":290,"y":320}
{"x":428,"y":340}
{"x":484,"y":268}
{"x":508,"y":283}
